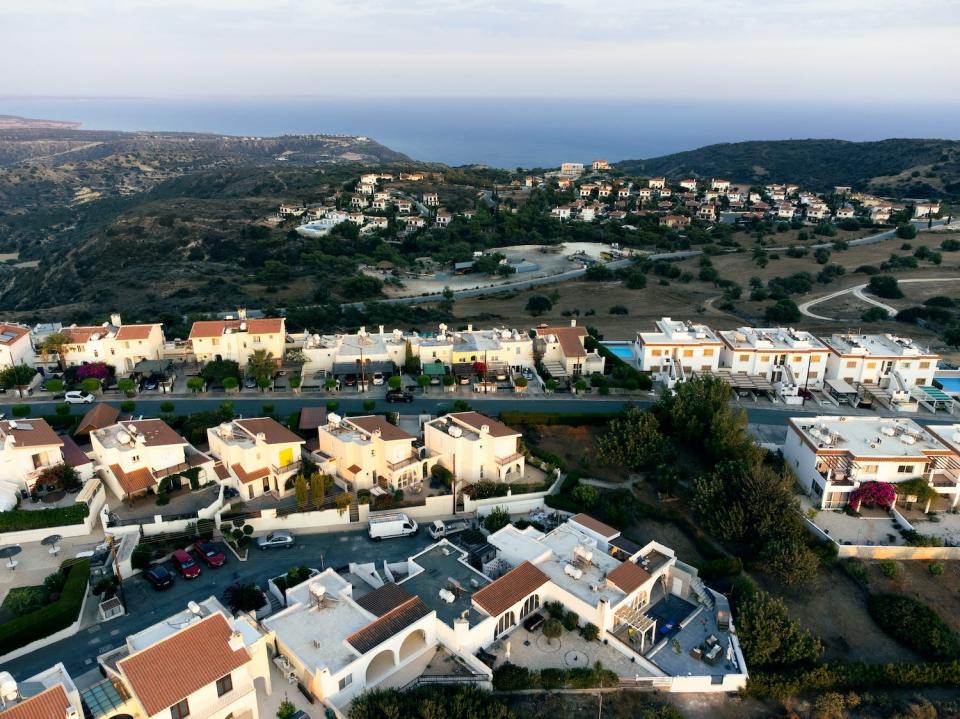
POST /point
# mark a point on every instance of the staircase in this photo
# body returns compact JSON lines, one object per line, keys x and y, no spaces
{"x":703,"y":594}
{"x":354,"y":508}
{"x":275,"y":604}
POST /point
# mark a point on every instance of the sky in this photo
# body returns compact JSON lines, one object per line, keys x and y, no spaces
{"x":849,"y":50}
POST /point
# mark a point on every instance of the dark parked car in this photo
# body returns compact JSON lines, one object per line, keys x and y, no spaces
{"x":210,"y":554}
{"x":159,"y":577}
{"x":350,"y":380}
{"x":398,"y":395}
{"x":250,"y":383}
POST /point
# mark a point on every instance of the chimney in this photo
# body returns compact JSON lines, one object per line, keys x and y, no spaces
{"x":241,"y":313}
{"x":236,"y":641}
{"x":469,"y":328}
{"x":573,"y":322}
{"x":115,"y":319}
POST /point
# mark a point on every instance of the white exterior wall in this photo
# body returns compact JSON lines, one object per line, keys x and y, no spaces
{"x":24,"y":464}
{"x":690,"y":356}
{"x":122,"y":354}
{"x":472,"y":460}
{"x":870,"y":369}
{"x":238,"y":346}
{"x":205,"y":704}
{"x":20,"y":351}
{"x":763,"y":361}
{"x":253,"y":456}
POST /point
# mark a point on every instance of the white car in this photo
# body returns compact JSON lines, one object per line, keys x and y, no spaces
{"x":77,"y":397}
{"x":377,"y":378}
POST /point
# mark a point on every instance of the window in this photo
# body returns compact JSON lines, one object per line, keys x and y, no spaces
{"x":135,"y":458}
{"x":905,"y":365}
{"x":345,"y":681}
{"x":871,"y":365}
{"x":905,"y":469}
{"x":852,"y":363}
{"x":798,"y":358}
{"x":924,"y":365}
{"x":812,"y":374}
{"x":688,"y":353}
{"x":870,"y":468}
{"x":708,"y":352}
{"x":744,"y":358}
{"x":764,"y":358}
{"x":506,"y":622}
{"x":224,"y":685}
{"x":654,"y":353}
{"x":180,"y":710}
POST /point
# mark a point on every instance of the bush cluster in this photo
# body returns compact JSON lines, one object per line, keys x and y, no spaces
{"x":20,"y":519}
{"x":510,"y":677}
{"x":915,"y":625}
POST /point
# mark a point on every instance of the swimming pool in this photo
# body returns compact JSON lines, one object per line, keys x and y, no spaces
{"x":623,"y":350}
{"x":951,"y":385}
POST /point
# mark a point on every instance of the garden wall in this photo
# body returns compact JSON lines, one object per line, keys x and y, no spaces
{"x":865,"y":551}
{"x":81,"y":529}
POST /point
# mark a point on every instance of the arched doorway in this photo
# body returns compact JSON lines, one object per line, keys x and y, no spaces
{"x":507,"y":621}
{"x":414,"y":643}
{"x":379,"y":667}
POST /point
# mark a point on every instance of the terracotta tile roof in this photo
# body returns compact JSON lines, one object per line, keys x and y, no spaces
{"x":354,"y":468}
{"x":132,"y":482}
{"x":513,"y":587}
{"x":222,"y":472}
{"x":312,"y":417}
{"x":176,"y":667}
{"x":81,"y":335}
{"x":49,"y":704}
{"x":156,"y":432}
{"x":97,"y":417}
{"x":394,"y":621}
{"x":9,"y":334}
{"x":384,"y":599}
{"x":216,"y":328}
{"x":595,"y":525}
{"x":628,"y":576}
{"x":247,"y":477}
{"x":374,"y":422}
{"x":72,"y":454}
{"x":40,"y":433}
{"x":273,"y":431}
{"x":475,"y":421}
{"x":135,"y":332}
{"x":570,"y":339}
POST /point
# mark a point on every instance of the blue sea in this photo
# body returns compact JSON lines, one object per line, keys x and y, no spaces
{"x":509,"y":132}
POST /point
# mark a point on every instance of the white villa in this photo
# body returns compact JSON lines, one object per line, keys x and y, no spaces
{"x":677,"y":349}
{"x":475,"y":447}
{"x":789,"y":359}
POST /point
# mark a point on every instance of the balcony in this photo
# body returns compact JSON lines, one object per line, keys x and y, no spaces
{"x":413,"y":458}
{"x":509,"y":459}
{"x":286,"y":468}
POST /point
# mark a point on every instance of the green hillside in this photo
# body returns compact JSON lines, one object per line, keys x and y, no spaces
{"x":905,"y":168}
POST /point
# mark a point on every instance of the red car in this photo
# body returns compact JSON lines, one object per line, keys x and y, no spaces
{"x":208,"y":552}
{"x":186,"y":564}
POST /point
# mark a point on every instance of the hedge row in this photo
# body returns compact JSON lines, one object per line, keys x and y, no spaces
{"x":19,"y":519}
{"x":513,"y":418}
{"x":510,"y":677}
{"x":854,"y":676}
{"x":914,"y":625}
{"x":53,"y":617}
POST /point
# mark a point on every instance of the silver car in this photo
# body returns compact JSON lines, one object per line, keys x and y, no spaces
{"x":277,"y":540}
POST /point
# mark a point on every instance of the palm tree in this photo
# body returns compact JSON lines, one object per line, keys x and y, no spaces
{"x":244,"y":597}
{"x":261,"y":365}
{"x":57,"y":343}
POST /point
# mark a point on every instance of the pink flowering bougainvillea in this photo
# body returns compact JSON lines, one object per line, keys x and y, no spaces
{"x":876,"y":494}
{"x":96,"y":370}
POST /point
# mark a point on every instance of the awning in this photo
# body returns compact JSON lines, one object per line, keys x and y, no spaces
{"x":378,"y":491}
{"x":841,"y":387}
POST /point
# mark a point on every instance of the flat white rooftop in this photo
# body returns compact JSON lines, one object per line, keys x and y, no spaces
{"x":678,"y":332}
{"x":876,"y":345}
{"x":869,"y":436}
{"x":318,"y":635}
{"x":175,"y":622}
{"x":562,"y":541}
{"x":772,"y":338}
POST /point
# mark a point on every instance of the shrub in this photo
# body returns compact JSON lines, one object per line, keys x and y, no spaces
{"x":884,"y":286}
{"x":554,"y":610}
{"x":586,"y":495}
{"x":498,"y":518}
{"x":915,"y":625}
{"x":935,"y":568}
{"x":889,"y":568}
{"x":62,"y":409}
{"x":510,"y":677}
{"x":571,"y":620}
{"x":127,"y":406}
{"x":552,"y":629}
{"x":369,"y":404}
{"x":52,"y":617}
{"x":20,"y":410}
{"x":590,"y":632}
{"x":906,"y":231}
{"x":723,"y":567}
{"x":19,"y":519}
{"x":856,"y":569}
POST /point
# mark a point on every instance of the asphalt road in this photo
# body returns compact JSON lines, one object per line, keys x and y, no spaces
{"x":148,"y":607}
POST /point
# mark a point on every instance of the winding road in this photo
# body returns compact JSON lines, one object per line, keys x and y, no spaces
{"x":858,"y":292}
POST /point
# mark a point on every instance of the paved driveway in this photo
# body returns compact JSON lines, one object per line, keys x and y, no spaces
{"x":148,"y":607}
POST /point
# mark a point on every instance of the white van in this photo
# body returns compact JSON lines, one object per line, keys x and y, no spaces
{"x":394,"y":524}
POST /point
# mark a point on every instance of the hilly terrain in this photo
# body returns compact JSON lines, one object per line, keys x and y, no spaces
{"x":903,"y":168}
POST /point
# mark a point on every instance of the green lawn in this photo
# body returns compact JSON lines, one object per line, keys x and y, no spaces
{"x":22,"y":600}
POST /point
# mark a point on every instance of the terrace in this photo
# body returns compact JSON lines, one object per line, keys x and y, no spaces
{"x":445,"y":568}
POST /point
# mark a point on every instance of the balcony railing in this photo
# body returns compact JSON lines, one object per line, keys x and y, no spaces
{"x":405,"y":462}
{"x":508,"y":459}
{"x":286,"y":468}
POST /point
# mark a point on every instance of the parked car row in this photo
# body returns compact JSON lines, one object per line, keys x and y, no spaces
{"x":186,"y":564}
